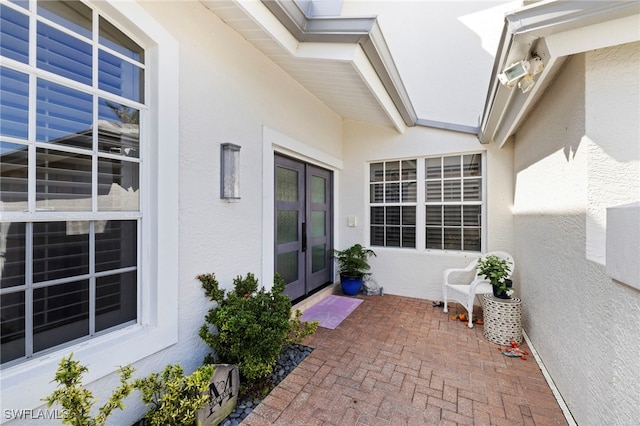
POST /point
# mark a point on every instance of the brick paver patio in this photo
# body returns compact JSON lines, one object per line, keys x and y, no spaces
{"x":402,"y":361}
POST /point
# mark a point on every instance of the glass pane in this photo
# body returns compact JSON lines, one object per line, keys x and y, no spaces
{"x":120,"y":77}
{"x":472,"y":190}
{"x":64,"y":115}
{"x":287,"y":226}
{"x":115,"y":39}
{"x":14,"y":35}
{"x":451,"y":190}
{"x":116,"y":300}
{"x":12,"y":266}
{"x":434,"y":238}
{"x":318,"y":257}
{"x":14,"y":103}
{"x":392,"y":192}
{"x":318,"y":221}
{"x":453,"y":215}
{"x":451,"y":166}
{"x":287,"y":265}
{"x":318,"y":190}
{"x":409,"y":191}
{"x":118,"y":185}
{"x":409,"y":169}
{"x":408,"y":215}
{"x":21,"y":3}
{"x":118,"y":129}
{"x":393,"y":236}
{"x":376,"y":172}
{"x":377,"y":236}
{"x":471,"y":165}
{"x":434,"y":191}
{"x":63,"y":181}
{"x":377,"y":215}
{"x":433,"y":168}
{"x":471,"y":215}
{"x":60,"y":314}
{"x":286,"y":184}
{"x":13,"y":176}
{"x":393,"y":215}
{"x":116,"y":244}
{"x":377,"y":193}
{"x":471,"y":239}
{"x":63,"y":54}
{"x":434,"y":215}
{"x":60,"y":250}
{"x":409,"y":237}
{"x":73,"y":15}
{"x":12,"y":310}
{"x":452,"y":239}
{"x":392,"y":171}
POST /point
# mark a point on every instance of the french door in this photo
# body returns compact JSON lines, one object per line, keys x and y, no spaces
{"x":303,"y":218}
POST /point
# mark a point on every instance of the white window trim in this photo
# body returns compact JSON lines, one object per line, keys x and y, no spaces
{"x":24,"y":385}
{"x":420,"y":203}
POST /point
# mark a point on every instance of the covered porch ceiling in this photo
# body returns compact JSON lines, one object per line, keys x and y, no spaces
{"x":344,"y":62}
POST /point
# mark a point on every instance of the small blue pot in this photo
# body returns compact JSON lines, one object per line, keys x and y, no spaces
{"x":350,"y":285}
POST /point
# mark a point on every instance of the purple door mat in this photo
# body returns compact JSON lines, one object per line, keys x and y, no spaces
{"x":331,"y":310}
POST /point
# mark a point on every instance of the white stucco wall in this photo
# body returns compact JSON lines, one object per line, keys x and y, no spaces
{"x":576,"y":155}
{"x":417,"y":272}
{"x":228,"y":92}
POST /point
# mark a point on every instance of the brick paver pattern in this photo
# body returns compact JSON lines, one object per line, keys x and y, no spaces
{"x":401,"y":361}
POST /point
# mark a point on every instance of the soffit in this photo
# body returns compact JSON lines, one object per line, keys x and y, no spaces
{"x":339,"y":74}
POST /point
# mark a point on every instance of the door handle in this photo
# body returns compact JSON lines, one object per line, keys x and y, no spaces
{"x":304,"y":236}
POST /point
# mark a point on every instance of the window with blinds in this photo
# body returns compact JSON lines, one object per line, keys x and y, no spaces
{"x":453,"y":202}
{"x":393,"y":192}
{"x":449,"y":190}
{"x":71,"y":96}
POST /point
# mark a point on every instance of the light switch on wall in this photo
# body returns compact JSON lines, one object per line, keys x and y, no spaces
{"x":352,"y":221}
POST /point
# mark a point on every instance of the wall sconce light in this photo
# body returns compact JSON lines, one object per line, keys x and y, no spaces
{"x":230,"y":172}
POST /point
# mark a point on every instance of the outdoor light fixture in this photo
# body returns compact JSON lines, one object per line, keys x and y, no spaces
{"x":513,"y":73}
{"x":230,"y":172}
{"x":522,"y":73}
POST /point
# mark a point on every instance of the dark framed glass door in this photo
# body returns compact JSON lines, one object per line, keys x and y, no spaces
{"x":303,"y":232}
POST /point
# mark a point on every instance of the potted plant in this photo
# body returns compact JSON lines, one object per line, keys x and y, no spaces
{"x":353,"y":266}
{"x":497,"y":271}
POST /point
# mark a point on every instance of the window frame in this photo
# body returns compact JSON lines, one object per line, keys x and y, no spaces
{"x":24,"y":384}
{"x":421,"y":203}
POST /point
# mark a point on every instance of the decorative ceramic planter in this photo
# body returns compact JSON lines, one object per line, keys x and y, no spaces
{"x":350,"y":285}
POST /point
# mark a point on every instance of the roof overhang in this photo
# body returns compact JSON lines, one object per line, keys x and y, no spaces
{"x":552,"y":30}
{"x":326,"y":54}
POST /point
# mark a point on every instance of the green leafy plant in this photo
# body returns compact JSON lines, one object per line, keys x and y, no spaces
{"x":174,"y":397}
{"x":353,"y":261}
{"x":300,"y":330}
{"x":76,"y":401}
{"x":247,"y":327}
{"x":496,"y":270}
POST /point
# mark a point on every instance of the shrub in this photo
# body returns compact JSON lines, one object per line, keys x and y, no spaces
{"x":247,"y":327}
{"x":76,"y":401}
{"x":174,"y":398}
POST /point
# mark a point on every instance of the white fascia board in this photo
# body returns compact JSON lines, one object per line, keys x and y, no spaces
{"x":561,"y":29}
{"x":364,"y":68}
{"x":598,"y":36}
{"x":268,"y":22}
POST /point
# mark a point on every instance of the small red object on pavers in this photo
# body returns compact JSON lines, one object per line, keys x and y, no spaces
{"x":514,"y":351}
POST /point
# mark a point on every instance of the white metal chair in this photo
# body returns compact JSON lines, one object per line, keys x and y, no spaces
{"x":464,"y":284}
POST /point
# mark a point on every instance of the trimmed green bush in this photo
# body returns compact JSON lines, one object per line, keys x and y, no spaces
{"x":247,"y":327}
